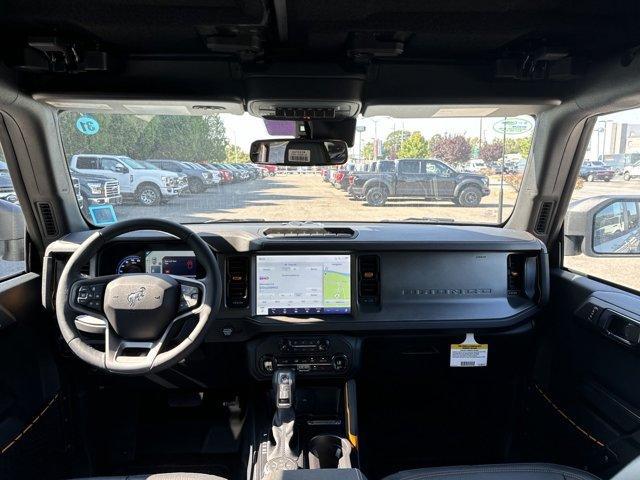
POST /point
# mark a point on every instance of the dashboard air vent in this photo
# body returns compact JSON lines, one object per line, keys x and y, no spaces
{"x":237,"y":282}
{"x":544,"y":217}
{"x":369,"y":280}
{"x":515,"y":274}
{"x":521,"y":275}
{"x":48,"y":219}
{"x":309,"y":232}
{"x":86,"y":269}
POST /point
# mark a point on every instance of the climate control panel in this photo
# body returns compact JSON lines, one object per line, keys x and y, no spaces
{"x":326,"y":355}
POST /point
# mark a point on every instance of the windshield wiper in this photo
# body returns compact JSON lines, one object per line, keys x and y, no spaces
{"x":421,"y":220}
{"x":235,"y":220}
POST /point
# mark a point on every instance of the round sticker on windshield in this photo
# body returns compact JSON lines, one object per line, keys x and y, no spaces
{"x":513,"y":126}
{"x":87,"y":125}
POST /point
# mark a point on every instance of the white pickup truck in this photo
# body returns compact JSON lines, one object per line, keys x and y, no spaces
{"x":147,"y":186}
{"x":632,"y":171}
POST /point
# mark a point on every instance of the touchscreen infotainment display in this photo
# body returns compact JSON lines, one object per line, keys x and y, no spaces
{"x":173,"y":262}
{"x":303,"y":284}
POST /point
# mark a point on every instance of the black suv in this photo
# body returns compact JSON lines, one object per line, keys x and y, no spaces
{"x":424,"y":178}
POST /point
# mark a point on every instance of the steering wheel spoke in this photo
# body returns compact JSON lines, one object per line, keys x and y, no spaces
{"x":86,"y":296}
{"x":191,"y":294}
{"x":129,"y":356}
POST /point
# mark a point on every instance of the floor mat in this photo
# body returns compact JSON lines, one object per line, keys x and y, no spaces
{"x":147,"y":433}
{"x":434,"y":424}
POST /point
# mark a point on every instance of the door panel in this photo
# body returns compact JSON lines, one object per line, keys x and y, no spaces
{"x":32,"y":438}
{"x":587,"y":370}
{"x":409,"y":179}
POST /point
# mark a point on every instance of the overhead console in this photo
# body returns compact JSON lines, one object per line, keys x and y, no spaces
{"x":309,"y":110}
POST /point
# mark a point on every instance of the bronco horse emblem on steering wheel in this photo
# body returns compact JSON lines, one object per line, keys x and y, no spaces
{"x":136,"y":297}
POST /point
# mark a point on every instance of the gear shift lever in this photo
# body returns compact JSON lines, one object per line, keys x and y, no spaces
{"x":283,"y":388}
{"x":280,"y":455}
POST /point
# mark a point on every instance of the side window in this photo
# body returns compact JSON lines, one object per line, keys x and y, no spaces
{"x":602,"y":228}
{"x":437,"y":168}
{"x":431,"y":168}
{"x":387,"y":167}
{"x":11,"y":226}
{"x":169,"y":166}
{"x":87,"y":163}
{"x":109,"y":164}
{"x":112,"y":164}
{"x":410,"y":166}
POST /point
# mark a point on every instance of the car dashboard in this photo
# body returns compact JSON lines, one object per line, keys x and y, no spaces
{"x":308,"y":295}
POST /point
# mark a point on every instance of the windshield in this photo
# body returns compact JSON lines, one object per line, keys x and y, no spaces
{"x":148,"y":165}
{"x":439,"y":169}
{"x":132,"y":163}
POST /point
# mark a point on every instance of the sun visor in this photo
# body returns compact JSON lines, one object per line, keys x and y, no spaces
{"x":456,"y":111}
{"x":141,"y":105}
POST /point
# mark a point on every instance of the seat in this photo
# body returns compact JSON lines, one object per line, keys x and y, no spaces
{"x":158,"y":476}
{"x":508,"y":471}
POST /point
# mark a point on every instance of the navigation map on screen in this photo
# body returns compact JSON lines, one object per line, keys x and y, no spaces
{"x":303,"y":284}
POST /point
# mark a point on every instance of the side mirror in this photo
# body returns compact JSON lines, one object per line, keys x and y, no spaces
{"x":298,"y":152}
{"x":604,"y":227}
{"x":118,"y":168}
{"x":11,"y":231}
{"x":615,"y":229}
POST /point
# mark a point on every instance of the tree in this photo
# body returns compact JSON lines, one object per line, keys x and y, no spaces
{"x":394,"y":142}
{"x":491,"y":152}
{"x":118,"y":134}
{"x":450,"y":148}
{"x":521,"y":146}
{"x":414,"y":147}
{"x":182,"y":138}
{"x":367,"y":151}
{"x":177,"y":137}
{"x":236,"y":155}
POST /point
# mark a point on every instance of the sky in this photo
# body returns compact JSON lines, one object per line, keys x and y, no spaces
{"x":244,"y":129}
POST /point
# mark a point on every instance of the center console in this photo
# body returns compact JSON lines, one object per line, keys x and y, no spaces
{"x":314,"y":356}
{"x":314,"y":422}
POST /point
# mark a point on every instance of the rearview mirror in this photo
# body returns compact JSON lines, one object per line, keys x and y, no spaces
{"x":298,"y":152}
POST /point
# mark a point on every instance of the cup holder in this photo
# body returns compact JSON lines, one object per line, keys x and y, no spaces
{"x":329,"y":451}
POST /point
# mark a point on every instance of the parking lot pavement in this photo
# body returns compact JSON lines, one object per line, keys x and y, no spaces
{"x":617,"y":186}
{"x":307,"y":197}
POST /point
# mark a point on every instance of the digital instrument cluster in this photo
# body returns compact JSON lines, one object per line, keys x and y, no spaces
{"x":173,"y":262}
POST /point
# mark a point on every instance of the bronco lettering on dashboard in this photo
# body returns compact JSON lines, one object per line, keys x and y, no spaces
{"x":446,"y":291}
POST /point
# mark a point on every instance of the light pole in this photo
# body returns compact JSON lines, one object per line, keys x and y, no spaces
{"x":375,"y":135}
{"x":599,"y":131}
{"x":360,"y":129}
{"x":501,"y":195}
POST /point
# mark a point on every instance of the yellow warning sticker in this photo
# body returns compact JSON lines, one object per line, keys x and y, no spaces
{"x":469,"y":353}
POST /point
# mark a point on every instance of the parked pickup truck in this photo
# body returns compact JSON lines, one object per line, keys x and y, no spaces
{"x":148,"y":187}
{"x":593,"y":171}
{"x":423,"y":178}
{"x":632,"y":171}
{"x":198,"y":179}
{"x":92,"y":189}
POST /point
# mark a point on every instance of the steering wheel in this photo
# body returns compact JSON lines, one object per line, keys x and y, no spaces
{"x":146,"y":316}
